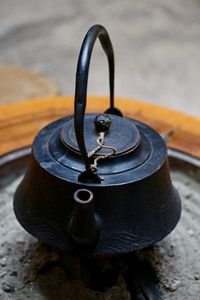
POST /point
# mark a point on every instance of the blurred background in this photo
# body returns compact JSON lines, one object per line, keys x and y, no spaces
{"x":156,"y":44}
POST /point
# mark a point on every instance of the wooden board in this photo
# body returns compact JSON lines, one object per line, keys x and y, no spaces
{"x":19,"y":123}
{"x":18,"y":83}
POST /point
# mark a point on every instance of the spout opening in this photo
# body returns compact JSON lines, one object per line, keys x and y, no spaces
{"x":83,"y":196}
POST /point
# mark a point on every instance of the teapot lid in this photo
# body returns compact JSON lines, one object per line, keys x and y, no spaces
{"x":122,"y":136}
{"x":135,"y":164}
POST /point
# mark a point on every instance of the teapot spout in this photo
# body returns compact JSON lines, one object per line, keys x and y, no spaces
{"x":84,"y":226}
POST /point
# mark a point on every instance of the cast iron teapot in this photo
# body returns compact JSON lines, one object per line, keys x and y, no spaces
{"x":97,"y":183}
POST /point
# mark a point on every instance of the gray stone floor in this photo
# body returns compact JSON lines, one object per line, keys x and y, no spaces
{"x":156,"y":45}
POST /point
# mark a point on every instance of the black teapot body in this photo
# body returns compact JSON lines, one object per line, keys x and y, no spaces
{"x":97,"y":183}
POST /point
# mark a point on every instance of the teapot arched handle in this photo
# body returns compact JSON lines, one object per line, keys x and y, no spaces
{"x":96,"y":31}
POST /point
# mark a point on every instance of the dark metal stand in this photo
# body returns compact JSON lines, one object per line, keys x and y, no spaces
{"x":100,"y":273}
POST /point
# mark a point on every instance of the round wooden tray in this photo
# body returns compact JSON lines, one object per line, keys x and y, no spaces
{"x":30,"y":269}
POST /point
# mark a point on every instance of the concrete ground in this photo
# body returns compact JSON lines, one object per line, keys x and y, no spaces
{"x":156,"y":45}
